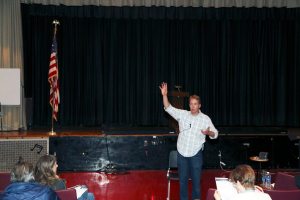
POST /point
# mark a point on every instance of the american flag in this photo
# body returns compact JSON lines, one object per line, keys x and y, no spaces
{"x":53,"y":80}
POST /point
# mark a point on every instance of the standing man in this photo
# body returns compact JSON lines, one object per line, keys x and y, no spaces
{"x":193,"y":128}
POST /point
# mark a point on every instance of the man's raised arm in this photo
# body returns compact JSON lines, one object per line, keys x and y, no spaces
{"x":164,"y":92}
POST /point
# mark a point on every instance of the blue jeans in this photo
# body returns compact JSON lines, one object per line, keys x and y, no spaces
{"x":190,"y":167}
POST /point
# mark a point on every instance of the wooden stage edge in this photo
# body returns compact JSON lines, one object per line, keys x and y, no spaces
{"x":72,"y":133}
{"x":97,"y":132}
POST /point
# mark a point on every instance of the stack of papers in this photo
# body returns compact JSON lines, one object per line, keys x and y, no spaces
{"x":80,"y":189}
{"x":225,"y":188}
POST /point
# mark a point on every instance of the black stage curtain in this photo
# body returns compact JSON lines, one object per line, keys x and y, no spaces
{"x":243,"y":62}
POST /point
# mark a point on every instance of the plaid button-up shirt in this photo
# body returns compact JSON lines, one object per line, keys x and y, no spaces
{"x":190,"y":139}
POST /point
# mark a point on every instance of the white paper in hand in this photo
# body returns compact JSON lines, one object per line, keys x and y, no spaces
{"x":225,"y":188}
{"x":80,"y":189}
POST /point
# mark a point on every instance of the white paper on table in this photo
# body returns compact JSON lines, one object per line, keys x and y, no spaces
{"x":225,"y":188}
{"x":80,"y":189}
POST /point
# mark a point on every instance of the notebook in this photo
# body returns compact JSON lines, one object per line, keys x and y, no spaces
{"x":225,"y":188}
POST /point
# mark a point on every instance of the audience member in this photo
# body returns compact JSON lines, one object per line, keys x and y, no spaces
{"x":23,"y":185}
{"x":243,"y":179}
{"x":46,"y":174}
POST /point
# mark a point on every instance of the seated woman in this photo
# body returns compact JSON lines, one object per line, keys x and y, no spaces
{"x":46,"y":174}
{"x":23,"y":185}
{"x":243,"y":178}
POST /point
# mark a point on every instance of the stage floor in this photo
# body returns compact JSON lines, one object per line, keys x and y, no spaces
{"x":44,"y":133}
{"x":135,"y":185}
{"x":41,"y":133}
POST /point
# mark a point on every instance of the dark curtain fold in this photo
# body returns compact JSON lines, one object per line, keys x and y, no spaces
{"x":244,"y":63}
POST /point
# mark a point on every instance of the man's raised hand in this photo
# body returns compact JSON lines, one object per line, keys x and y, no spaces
{"x":164,"y":88}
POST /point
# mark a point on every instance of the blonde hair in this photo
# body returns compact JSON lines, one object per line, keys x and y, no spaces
{"x":244,"y":174}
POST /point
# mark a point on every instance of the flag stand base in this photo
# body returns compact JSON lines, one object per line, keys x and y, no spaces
{"x":52,"y":133}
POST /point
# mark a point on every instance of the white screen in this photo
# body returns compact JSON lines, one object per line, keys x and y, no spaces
{"x":9,"y":86}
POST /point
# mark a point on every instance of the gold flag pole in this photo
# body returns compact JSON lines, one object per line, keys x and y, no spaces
{"x":52,"y":132}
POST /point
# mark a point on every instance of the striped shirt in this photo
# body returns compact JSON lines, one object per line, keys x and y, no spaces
{"x":191,"y":139}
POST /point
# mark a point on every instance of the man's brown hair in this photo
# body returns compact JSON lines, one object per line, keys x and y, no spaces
{"x":195,"y":97}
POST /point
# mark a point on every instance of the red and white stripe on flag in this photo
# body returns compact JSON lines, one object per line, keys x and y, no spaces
{"x":53,"y":81}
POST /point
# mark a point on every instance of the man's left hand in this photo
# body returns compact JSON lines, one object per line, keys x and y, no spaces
{"x":207,"y":132}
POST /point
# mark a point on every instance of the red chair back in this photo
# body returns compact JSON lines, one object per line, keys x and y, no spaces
{"x":285,"y":181}
{"x":4,"y":180}
{"x":67,"y":194}
{"x":210,"y":194}
{"x":283,"y":194}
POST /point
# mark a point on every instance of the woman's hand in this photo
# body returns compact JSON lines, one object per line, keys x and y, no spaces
{"x":217,"y":195}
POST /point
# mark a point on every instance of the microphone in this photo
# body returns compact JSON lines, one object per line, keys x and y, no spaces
{"x":189,"y":127}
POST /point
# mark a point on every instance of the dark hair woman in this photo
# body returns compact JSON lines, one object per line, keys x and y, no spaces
{"x":46,"y":174}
